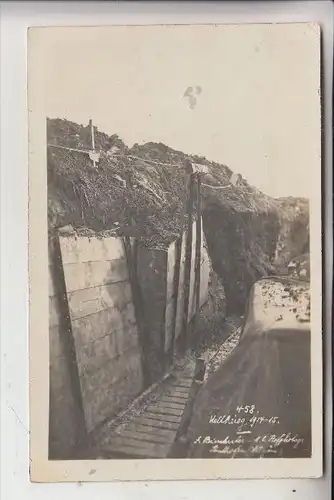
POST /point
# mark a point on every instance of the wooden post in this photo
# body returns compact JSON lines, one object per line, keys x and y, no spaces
{"x":177,"y":272}
{"x":92,"y":134}
{"x":187,"y":270}
{"x":93,"y":141}
{"x":132,"y":257}
{"x":198,"y":243}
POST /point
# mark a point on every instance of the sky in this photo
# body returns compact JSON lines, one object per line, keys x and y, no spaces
{"x":257,"y":112}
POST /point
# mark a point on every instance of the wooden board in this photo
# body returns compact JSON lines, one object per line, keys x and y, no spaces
{"x":85,"y":249}
{"x":92,"y":300}
{"x":106,"y":322}
{"x":82,"y":275}
{"x":103,"y":324}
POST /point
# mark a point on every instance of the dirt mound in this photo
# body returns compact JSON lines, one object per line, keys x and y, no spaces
{"x":124,"y":193}
{"x":293,"y":239}
{"x":141,"y":192}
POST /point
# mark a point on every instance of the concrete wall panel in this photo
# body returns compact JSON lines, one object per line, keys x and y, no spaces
{"x":103,"y":324}
{"x":82,"y":275}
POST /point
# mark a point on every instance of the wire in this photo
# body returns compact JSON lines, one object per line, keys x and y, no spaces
{"x":216,"y":187}
{"x":132,"y":157}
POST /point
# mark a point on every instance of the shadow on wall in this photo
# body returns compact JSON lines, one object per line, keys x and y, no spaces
{"x":294,"y":238}
{"x":241,"y":247}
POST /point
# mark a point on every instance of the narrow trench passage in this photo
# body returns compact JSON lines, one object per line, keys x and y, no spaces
{"x":153,"y":426}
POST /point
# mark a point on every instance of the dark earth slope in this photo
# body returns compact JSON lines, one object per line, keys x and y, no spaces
{"x":141,"y":192}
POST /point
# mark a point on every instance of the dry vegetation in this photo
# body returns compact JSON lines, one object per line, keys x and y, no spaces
{"x":141,"y":192}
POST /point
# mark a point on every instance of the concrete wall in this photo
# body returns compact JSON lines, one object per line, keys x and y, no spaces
{"x":63,"y":412}
{"x":103,"y":324}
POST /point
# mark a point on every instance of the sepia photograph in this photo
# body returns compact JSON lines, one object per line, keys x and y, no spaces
{"x":180,"y":182}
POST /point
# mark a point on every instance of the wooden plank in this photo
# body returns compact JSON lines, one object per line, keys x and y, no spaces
{"x":151,"y":268}
{"x":110,"y":373}
{"x":133,"y":451}
{"x":180,"y":388}
{"x":132,"y":253}
{"x":205,"y":274}
{"x":183,"y":382}
{"x":176,"y":309}
{"x":187,"y":272}
{"x":85,"y":249}
{"x":81,"y":275}
{"x":204,"y":281}
{"x":98,"y":354}
{"x":176,"y":405}
{"x":147,"y":437}
{"x":198,"y":243}
{"x":163,"y":417}
{"x":172,"y":399}
{"x":114,"y":394}
{"x":170,"y":323}
{"x":92,"y":300}
{"x":179,"y":314}
{"x":165,"y":411}
{"x":172,"y":261}
{"x":152,"y":431}
{"x":178,"y":394}
{"x":93,"y":355}
{"x":150,"y":448}
{"x":163,"y":424}
{"x":108,"y":321}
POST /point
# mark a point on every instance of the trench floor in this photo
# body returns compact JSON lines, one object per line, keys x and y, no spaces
{"x":149,"y":428}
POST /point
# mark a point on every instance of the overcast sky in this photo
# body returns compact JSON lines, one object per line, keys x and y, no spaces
{"x":258,"y":110}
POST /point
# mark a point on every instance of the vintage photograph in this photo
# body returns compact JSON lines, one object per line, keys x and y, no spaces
{"x":181,"y":164}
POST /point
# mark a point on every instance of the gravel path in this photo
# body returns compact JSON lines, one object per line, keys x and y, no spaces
{"x":218,"y":356}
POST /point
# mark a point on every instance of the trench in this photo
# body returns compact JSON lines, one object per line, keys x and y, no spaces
{"x":241,"y":246}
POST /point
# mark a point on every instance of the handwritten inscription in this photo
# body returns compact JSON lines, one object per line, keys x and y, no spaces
{"x":248,"y":439}
{"x":245,"y":418}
